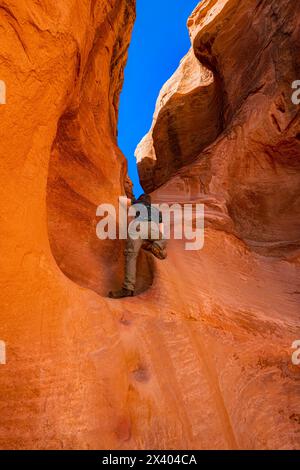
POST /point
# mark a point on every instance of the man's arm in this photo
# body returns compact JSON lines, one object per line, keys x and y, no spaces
{"x":161,"y":225}
{"x":161,"y":229}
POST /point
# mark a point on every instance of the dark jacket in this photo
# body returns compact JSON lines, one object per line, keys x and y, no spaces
{"x":153,"y":213}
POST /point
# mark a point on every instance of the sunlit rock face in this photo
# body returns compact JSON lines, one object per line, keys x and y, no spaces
{"x":187,"y":119}
{"x":243,"y":165}
{"x":251,"y":49}
{"x":62,"y":63}
{"x":202,"y":359}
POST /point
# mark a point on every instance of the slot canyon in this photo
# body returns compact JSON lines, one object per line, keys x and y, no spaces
{"x":201,"y":357}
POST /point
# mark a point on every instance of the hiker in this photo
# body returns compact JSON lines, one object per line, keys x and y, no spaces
{"x":151,"y":238}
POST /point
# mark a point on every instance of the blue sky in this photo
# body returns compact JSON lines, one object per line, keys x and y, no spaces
{"x":160,"y":39}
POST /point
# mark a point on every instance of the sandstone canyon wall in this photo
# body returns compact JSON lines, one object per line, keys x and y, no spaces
{"x":233,"y":91}
{"x":202,"y":358}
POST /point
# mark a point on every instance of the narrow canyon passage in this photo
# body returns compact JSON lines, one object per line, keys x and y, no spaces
{"x":201,"y":358}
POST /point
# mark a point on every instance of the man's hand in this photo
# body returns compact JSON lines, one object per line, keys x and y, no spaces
{"x":161,"y":230}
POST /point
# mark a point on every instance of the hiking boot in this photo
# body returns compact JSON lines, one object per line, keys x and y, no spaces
{"x":147,"y":246}
{"x":159,"y":252}
{"x":120,"y":294}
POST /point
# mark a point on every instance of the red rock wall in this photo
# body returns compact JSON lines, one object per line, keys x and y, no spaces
{"x":63,"y":67}
{"x":187,"y":119}
{"x":248,"y":178}
{"x":202,"y":359}
{"x":252,"y":50}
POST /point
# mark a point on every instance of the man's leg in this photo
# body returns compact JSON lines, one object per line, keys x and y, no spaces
{"x":159,"y":248}
{"x":162,"y":243}
{"x":159,"y":244}
{"x":131,"y":254}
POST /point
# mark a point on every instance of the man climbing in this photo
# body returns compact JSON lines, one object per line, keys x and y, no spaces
{"x":148,"y":221}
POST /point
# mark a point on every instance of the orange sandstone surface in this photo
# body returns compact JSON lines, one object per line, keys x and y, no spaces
{"x":201,"y":359}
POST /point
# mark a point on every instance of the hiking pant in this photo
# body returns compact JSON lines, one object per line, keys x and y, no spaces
{"x":132,"y":251}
